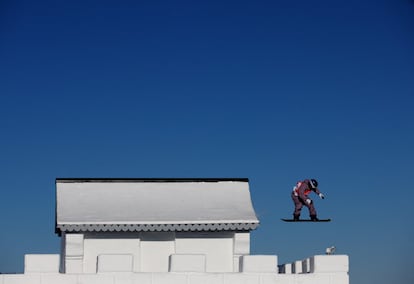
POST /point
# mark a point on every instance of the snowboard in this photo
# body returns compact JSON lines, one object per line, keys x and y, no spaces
{"x":306,"y":220}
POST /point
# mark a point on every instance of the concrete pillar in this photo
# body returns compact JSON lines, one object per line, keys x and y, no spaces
{"x":72,"y":253}
{"x":306,"y":265}
{"x":288,"y":268}
{"x":241,"y":246}
{"x":297,"y":267}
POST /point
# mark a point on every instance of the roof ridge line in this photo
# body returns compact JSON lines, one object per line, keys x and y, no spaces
{"x":75,"y":180}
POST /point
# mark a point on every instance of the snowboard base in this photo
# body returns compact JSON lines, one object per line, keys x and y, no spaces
{"x":306,"y":220}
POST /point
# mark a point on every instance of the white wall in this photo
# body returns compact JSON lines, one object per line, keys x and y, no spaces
{"x":177,"y":278}
{"x":41,"y":263}
{"x":151,"y":251}
{"x":72,"y":253}
{"x":217,"y":247}
{"x":112,"y":243}
{"x":256,"y":270}
{"x":156,"y":249}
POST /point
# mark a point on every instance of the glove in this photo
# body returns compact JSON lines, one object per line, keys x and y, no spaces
{"x":321,"y":196}
{"x":308,"y":201}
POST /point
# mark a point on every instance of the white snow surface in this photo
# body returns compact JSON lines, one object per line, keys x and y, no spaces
{"x":79,"y":203}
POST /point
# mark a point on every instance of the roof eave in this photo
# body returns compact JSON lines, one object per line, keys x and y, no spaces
{"x":181,"y":227}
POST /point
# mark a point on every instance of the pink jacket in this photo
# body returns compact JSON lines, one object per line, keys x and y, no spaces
{"x":303,"y":188}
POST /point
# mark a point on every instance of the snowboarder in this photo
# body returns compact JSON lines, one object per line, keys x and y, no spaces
{"x":300,"y":197}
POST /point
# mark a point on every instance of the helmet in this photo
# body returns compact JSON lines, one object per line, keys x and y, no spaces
{"x":313,"y":183}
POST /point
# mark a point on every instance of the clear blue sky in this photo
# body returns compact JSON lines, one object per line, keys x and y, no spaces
{"x":275,"y":91}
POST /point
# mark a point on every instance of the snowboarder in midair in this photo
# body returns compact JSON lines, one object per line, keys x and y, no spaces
{"x":300,"y":197}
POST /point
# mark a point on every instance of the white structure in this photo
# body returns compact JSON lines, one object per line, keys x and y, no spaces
{"x":153,"y":222}
{"x":157,"y":231}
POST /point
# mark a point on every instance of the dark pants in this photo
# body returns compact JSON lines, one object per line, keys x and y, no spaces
{"x":299,"y":202}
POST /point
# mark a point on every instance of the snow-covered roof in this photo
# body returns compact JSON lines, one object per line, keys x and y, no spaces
{"x":153,"y":205}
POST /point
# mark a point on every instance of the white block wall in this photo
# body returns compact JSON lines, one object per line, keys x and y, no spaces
{"x":151,"y":251}
{"x":218,"y":251}
{"x":177,"y":278}
{"x":187,"y":263}
{"x":259,"y":263}
{"x":115,"y":263}
{"x":94,"y":247}
{"x":156,"y":249}
{"x":41,"y":263}
{"x":329,"y":263}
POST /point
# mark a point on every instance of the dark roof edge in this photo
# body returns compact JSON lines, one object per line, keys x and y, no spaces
{"x":75,"y":180}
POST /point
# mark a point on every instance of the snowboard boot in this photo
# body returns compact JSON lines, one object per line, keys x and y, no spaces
{"x":314,"y":218}
{"x":295,"y":217}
